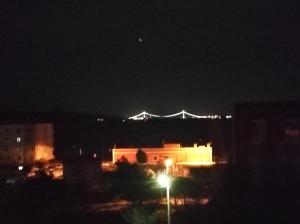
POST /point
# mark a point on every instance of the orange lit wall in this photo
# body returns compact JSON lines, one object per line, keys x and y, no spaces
{"x":26,"y":143}
{"x":43,"y":149}
{"x":43,"y":153}
{"x":197,"y":155}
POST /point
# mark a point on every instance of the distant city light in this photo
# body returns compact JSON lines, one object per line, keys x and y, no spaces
{"x":144,"y":115}
{"x":182,"y":114}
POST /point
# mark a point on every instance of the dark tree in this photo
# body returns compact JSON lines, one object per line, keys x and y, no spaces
{"x":141,"y":156}
{"x":131,"y":182}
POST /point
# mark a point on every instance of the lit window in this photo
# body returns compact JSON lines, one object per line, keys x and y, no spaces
{"x":19,"y":139}
{"x":292,"y":129}
{"x":100,"y":119}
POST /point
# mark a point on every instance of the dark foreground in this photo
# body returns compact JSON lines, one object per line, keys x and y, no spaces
{"x":264,"y":195}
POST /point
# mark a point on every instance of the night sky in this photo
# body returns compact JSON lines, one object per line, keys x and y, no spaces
{"x":122,"y":57}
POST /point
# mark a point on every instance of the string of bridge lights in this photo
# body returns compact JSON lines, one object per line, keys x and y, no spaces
{"x":182,"y":114}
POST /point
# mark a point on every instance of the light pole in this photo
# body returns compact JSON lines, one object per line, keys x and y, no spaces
{"x":165,"y":181}
{"x":168,"y":204}
{"x":168,"y":163}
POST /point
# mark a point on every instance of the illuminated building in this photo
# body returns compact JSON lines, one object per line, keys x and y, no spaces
{"x":26,"y":143}
{"x":196,"y":155}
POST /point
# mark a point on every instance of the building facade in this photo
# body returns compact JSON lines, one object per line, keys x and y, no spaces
{"x":24,"y":144}
{"x":196,"y":155}
{"x":267,"y":133}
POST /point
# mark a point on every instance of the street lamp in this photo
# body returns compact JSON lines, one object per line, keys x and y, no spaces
{"x":164,"y":181}
{"x":168,"y":163}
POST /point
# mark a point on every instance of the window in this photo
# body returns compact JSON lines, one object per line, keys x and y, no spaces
{"x":19,"y":139}
{"x":292,"y":130}
{"x":292,"y":124}
{"x":155,"y":158}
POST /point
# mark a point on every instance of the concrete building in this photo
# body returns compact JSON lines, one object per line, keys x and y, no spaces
{"x":196,"y":155}
{"x":24,"y":144}
{"x":267,"y":133}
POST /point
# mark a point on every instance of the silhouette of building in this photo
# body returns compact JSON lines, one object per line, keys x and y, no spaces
{"x":84,"y":169}
{"x":267,"y":133}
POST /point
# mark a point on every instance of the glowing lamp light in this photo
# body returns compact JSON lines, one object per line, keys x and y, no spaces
{"x":20,"y":168}
{"x":164,"y":180}
{"x":168,"y":162}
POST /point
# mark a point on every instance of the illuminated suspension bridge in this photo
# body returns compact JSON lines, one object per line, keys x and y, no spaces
{"x":182,"y":114}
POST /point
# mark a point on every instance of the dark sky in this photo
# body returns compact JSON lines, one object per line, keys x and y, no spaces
{"x":122,"y":57}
